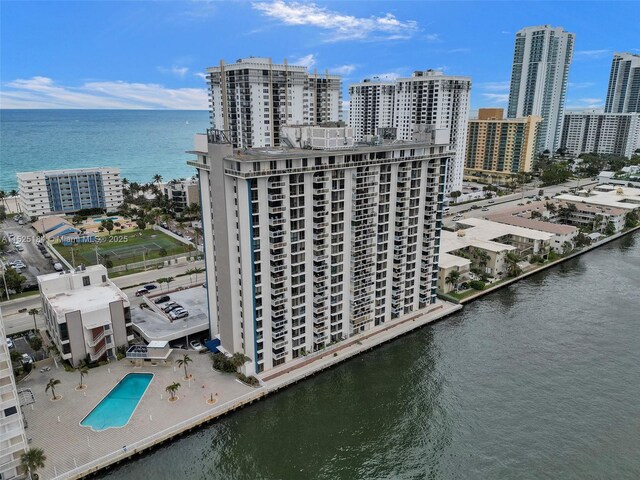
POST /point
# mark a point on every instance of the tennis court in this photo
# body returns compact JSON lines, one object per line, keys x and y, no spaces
{"x":124,"y":248}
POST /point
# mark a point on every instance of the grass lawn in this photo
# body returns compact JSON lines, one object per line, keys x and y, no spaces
{"x":124,"y":248}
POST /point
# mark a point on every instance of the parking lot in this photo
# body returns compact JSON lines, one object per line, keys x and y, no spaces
{"x":34,"y":261}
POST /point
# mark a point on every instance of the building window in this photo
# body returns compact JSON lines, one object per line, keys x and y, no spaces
{"x":10,"y":411}
{"x":86,"y":281}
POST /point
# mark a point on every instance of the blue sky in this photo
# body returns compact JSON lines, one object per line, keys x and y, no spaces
{"x":127,"y":54}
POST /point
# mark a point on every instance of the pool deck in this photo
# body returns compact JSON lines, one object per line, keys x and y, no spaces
{"x":74,"y":451}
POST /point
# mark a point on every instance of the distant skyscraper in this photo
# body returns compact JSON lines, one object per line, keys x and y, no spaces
{"x":623,"y":95}
{"x":252,"y":98}
{"x":432,"y":98}
{"x":592,"y":131}
{"x":370,"y":107}
{"x":539,"y":76}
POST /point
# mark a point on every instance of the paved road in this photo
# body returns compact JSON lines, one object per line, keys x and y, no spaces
{"x":509,"y":201}
{"x":16,"y":322}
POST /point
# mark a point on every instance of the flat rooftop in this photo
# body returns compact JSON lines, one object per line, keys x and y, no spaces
{"x":488,"y":230}
{"x":448,"y":261}
{"x":86,"y":299}
{"x":451,"y":242}
{"x":625,"y":198}
{"x":153,"y":326}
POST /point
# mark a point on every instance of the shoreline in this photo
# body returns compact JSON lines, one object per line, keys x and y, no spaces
{"x":290,"y":374}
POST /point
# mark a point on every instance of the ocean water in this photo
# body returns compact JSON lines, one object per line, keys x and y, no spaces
{"x":140,"y":142}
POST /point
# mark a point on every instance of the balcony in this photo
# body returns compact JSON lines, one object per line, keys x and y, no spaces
{"x":278,"y":356}
{"x":278,"y":334}
{"x":277,"y":324}
{"x":280,"y":344}
{"x":275,"y":235}
{"x":279,"y":209}
{"x":275,"y":269}
{"x":277,"y":221}
{"x":274,"y":197}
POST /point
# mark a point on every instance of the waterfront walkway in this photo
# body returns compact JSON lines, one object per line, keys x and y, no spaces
{"x":74,"y":451}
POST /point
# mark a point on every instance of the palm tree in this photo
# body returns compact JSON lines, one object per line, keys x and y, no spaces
{"x":196,"y":271}
{"x":51,"y":386}
{"x":3,"y":196}
{"x":168,"y":280}
{"x":183,"y":362}
{"x":82,"y":370}
{"x":551,"y":207}
{"x":34,"y":312}
{"x":172,"y":389}
{"x":32,"y":460}
{"x":453,"y":278}
{"x":197,"y":231}
{"x":513,"y":269}
{"x":161,"y":281}
{"x":157,"y":178}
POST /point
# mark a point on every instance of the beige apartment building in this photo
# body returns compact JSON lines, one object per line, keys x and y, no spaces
{"x":86,"y":314}
{"x":498,"y":146}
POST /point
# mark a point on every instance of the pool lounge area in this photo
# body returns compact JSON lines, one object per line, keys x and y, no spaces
{"x":117,"y":407}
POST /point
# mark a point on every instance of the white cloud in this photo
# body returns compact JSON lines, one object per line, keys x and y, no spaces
{"x":581,"y":84}
{"x":201,"y":75}
{"x":593,"y":54}
{"x":174,"y":70}
{"x":496,"y":98}
{"x":306,"y":61}
{"x":343,"y":69}
{"x":339,"y":25}
{"x":505,"y":32}
{"x":501,"y":86}
{"x":433,"y":37}
{"x":582,"y":103}
{"x":43,"y":92}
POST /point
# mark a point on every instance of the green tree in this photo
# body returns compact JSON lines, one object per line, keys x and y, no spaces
{"x":631,"y":219}
{"x":14,"y":280}
{"x":36,"y":344}
{"x":610,"y":229}
{"x":453,"y":279}
{"x":83,"y":370}
{"x":161,"y":281}
{"x":33,"y":460}
{"x":162,"y":252}
{"x":183,"y":362}
{"x":108,"y":225}
{"x":172,"y":389}
{"x":157,"y":178}
{"x":33,"y":312}
{"x":141,"y":224}
{"x":455,"y":195}
{"x":53,"y":382}
{"x":513,"y":269}
{"x":168,"y":280}
{"x":238,"y":359}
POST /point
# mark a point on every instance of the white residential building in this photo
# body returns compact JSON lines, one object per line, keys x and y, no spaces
{"x":539,"y":78}
{"x":68,"y":191}
{"x":13,"y":441}
{"x":252,"y":98}
{"x":182,"y":193}
{"x":442,"y":101}
{"x":86,"y":314}
{"x":592,"y":131}
{"x":623,"y":94}
{"x":370,"y":107}
{"x":310,"y":244}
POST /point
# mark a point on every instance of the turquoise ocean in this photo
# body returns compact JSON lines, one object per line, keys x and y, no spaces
{"x":140,"y":142}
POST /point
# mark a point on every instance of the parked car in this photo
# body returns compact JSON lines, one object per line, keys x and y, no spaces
{"x":204,"y":285}
{"x":9,"y":343}
{"x":26,"y":358}
{"x":172,"y":307}
{"x":492,"y":201}
{"x":485,"y":209}
{"x":58,"y":268}
{"x":197,"y":345}
{"x":141,"y":291}
{"x":475,"y":207}
{"x":162,"y":299}
{"x":151,"y":286}
{"x":179,"y":314}
{"x":457,"y":217}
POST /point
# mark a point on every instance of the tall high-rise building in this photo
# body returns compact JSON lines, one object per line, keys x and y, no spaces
{"x":498,"y":146}
{"x":539,"y":78}
{"x":370,"y":107}
{"x":592,"y":131}
{"x":13,"y":441}
{"x":321,"y":239}
{"x":432,"y":98}
{"x":251,"y":99}
{"x":623,"y":95}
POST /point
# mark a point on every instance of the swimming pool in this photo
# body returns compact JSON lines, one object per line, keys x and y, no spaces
{"x":100,"y":220}
{"x":115,"y":410}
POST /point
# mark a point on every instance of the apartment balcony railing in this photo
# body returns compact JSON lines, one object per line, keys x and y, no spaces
{"x":93,"y":342}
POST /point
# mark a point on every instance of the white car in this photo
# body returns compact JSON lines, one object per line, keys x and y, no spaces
{"x":9,"y":343}
{"x":176,"y":314}
{"x":197,"y":345}
{"x":457,"y":217}
{"x":26,"y":358}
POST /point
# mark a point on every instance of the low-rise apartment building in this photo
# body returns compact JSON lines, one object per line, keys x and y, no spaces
{"x":182,"y":193}
{"x":86,"y":314}
{"x":68,"y":191}
{"x":13,"y":442}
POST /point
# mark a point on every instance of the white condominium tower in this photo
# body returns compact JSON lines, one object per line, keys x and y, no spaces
{"x":623,"y":95}
{"x":251,"y":99}
{"x":370,"y":107}
{"x":539,"y":76}
{"x":442,"y":101}
{"x":318,"y":240}
{"x":13,"y":442}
